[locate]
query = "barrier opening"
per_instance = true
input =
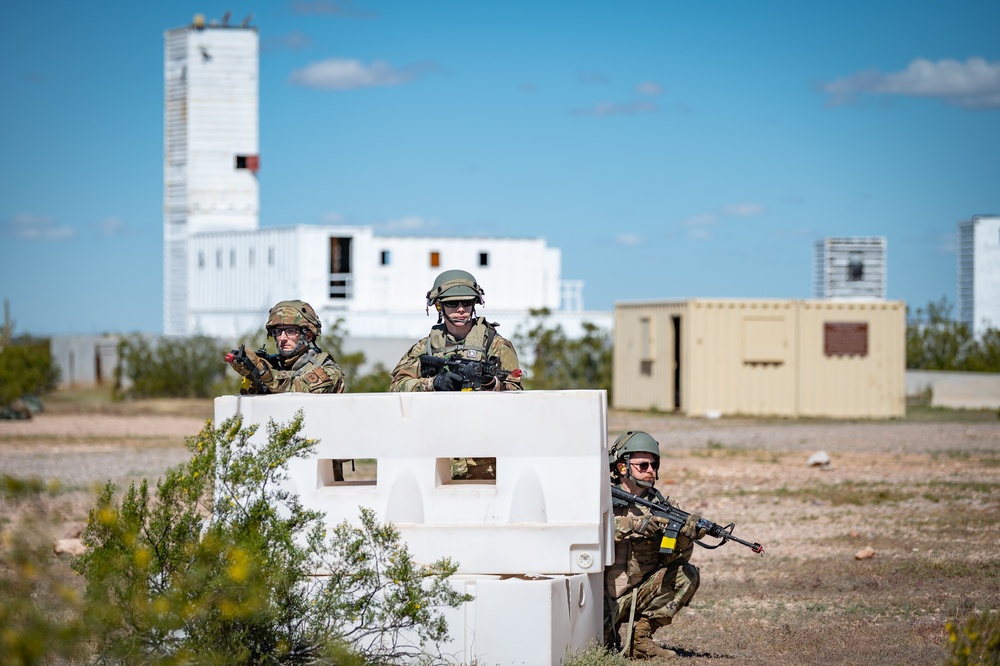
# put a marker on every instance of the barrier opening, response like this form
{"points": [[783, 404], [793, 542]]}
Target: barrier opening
{"points": [[467, 470], [346, 472]]}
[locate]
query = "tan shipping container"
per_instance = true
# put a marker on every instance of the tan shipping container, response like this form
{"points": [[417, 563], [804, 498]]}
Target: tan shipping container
{"points": [[825, 358]]}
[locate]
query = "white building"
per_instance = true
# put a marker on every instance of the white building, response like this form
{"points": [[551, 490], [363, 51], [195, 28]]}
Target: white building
{"points": [[210, 147], [850, 267], [377, 284], [222, 272], [979, 272]]}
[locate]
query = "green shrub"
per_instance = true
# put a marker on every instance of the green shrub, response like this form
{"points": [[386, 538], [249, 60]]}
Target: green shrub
{"points": [[26, 368], [187, 367], [977, 641], [563, 363], [219, 567]]}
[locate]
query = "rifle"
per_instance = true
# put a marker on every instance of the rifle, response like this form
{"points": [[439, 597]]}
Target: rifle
{"points": [[240, 355], [273, 360], [474, 373], [673, 519]]}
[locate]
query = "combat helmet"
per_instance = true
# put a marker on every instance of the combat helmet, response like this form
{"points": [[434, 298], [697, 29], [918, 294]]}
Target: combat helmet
{"points": [[634, 441], [455, 285], [293, 313]]}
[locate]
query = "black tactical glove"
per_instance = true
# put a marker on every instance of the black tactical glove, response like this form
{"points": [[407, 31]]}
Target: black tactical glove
{"points": [[448, 381]]}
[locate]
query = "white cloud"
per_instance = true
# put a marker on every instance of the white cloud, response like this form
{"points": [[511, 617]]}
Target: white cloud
{"points": [[700, 226], [26, 225], [410, 224], [293, 41], [628, 238], [615, 109], [342, 74], [649, 88], [742, 210], [972, 84], [111, 226]]}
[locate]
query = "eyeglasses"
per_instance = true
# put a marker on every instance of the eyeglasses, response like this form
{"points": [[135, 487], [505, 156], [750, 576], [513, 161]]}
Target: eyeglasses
{"points": [[289, 331], [461, 304], [644, 466]]}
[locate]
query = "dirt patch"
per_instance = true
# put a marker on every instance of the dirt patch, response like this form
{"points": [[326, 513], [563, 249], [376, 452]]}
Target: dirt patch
{"points": [[925, 496]]}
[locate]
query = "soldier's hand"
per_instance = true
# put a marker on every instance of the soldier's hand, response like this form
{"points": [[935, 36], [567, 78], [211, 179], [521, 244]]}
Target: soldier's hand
{"points": [[235, 359], [644, 524], [263, 369], [448, 381], [695, 527]]}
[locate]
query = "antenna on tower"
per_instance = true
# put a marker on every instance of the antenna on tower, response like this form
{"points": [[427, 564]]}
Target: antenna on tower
{"points": [[246, 21], [225, 18]]}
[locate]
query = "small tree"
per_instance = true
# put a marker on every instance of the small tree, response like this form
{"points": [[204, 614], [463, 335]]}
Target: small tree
{"points": [[560, 362], [187, 367], [222, 567], [26, 367], [934, 341]]}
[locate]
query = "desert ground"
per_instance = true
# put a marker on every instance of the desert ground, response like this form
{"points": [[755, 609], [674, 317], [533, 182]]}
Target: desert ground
{"points": [[922, 494]]}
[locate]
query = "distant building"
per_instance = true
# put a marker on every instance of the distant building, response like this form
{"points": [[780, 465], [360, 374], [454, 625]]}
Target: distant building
{"points": [[850, 267], [222, 271], [979, 272], [210, 147], [761, 357]]}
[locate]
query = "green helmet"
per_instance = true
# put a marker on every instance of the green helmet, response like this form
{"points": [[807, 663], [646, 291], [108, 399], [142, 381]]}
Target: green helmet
{"points": [[455, 285], [634, 442], [293, 313]]}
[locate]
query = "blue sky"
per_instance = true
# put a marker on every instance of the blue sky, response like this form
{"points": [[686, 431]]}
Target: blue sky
{"points": [[669, 149]]}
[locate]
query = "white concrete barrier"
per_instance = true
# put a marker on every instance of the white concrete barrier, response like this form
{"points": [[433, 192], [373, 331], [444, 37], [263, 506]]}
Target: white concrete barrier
{"points": [[531, 546]]}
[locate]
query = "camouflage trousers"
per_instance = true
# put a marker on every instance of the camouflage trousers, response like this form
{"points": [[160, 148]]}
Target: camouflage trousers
{"points": [[473, 468], [659, 597]]}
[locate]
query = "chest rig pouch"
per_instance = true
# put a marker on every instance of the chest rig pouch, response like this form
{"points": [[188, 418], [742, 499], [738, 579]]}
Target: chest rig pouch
{"points": [[474, 347]]}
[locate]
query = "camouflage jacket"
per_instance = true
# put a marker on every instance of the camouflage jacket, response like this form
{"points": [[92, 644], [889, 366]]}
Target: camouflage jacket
{"points": [[406, 375], [314, 371], [638, 555]]}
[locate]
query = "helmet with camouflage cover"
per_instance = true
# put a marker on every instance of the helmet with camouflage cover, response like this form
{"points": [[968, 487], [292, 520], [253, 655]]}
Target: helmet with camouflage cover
{"points": [[632, 442], [455, 285], [293, 313]]}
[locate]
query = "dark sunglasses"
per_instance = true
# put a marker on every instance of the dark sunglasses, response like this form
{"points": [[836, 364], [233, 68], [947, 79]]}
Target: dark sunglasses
{"points": [[465, 304], [644, 466]]}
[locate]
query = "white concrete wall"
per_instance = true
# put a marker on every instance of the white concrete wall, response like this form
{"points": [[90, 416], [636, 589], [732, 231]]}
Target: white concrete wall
{"points": [[956, 390]]}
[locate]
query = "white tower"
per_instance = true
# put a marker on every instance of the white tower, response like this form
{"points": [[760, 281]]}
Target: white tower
{"points": [[850, 268], [210, 146], [979, 272]]}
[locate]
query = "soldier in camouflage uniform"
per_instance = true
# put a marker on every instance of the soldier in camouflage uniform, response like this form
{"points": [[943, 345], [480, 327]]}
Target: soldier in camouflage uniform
{"points": [[458, 332], [642, 584], [300, 365]]}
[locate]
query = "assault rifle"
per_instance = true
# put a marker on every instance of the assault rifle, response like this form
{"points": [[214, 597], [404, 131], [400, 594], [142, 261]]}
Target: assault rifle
{"points": [[240, 355], [474, 373], [274, 361], [673, 519]]}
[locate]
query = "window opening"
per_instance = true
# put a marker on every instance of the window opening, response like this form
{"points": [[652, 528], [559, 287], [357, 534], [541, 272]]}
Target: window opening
{"points": [[435, 259], [341, 281], [855, 268], [484, 259], [472, 471], [347, 472], [384, 259]]}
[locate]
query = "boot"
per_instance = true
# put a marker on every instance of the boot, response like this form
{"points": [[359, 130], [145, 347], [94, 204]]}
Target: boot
{"points": [[643, 645]]}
